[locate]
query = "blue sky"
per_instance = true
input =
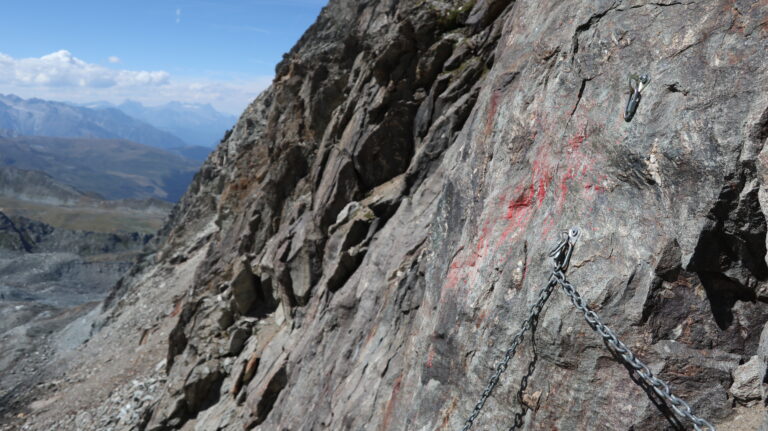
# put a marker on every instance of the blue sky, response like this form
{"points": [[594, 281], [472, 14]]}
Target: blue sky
{"points": [[218, 52]]}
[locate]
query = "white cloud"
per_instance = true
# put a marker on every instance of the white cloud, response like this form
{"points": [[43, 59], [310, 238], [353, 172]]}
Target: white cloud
{"points": [[178, 16], [63, 77], [62, 69], [113, 59]]}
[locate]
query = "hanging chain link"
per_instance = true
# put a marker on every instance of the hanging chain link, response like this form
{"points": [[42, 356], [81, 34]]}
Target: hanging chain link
{"points": [[533, 313], [561, 254], [661, 388]]}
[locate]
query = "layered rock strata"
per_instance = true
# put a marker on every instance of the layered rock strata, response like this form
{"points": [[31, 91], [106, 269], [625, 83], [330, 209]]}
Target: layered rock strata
{"points": [[366, 240]]}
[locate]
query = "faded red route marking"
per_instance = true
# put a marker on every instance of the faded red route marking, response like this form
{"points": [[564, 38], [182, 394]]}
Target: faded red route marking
{"points": [[575, 143], [529, 198], [454, 274], [430, 356], [512, 216]]}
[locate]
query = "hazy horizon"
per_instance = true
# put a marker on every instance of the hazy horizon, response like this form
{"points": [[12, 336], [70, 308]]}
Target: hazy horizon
{"points": [[200, 52]]}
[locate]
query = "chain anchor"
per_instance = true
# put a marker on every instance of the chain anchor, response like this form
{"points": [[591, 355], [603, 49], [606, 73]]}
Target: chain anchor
{"points": [[637, 84], [561, 253]]}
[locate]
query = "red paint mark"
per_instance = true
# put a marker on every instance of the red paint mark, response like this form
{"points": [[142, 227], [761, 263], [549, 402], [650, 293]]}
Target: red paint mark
{"points": [[430, 356], [542, 192], [452, 279], [512, 211], [575, 143], [472, 260], [516, 223], [485, 231], [518, 210], [579, 165], [520, 204], [595, 187]]}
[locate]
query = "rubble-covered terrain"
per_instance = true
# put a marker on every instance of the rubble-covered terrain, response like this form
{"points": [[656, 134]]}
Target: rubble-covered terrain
{"points": [[51, 279], [361, 248]]}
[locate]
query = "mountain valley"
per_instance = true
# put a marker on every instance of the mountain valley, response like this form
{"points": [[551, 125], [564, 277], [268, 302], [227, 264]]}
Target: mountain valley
{"points": [[49, 278], [190, 130], [112, 169], [199, 125]]}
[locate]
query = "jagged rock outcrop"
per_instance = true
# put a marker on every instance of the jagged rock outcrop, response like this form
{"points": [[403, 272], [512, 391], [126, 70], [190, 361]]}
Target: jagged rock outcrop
{"points": [[389, 203]]}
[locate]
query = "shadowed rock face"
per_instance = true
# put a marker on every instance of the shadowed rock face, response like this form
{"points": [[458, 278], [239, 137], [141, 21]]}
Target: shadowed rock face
{"points": [[394, 195]]}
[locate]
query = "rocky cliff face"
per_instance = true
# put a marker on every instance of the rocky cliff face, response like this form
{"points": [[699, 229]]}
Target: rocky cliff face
{"points": [[368, 238]]}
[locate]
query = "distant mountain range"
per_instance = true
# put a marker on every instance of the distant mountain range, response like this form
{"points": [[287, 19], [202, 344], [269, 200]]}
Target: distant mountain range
{"points": [[36, 117], [196, 124], [191, 130], [114, 152], [113, 169]]}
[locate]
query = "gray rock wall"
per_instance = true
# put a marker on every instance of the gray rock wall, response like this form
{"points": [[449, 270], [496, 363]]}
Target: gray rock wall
{"points": [[390, 201], [469, 135]]}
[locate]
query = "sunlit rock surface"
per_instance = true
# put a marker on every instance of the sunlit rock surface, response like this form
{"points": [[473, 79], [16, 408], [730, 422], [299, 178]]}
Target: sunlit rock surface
{"points": [[390, 201]]}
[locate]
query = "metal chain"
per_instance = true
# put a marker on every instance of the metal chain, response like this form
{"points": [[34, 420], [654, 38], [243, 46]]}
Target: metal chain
{"points": [[533, 314], [661, 388], [561, 254]]}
